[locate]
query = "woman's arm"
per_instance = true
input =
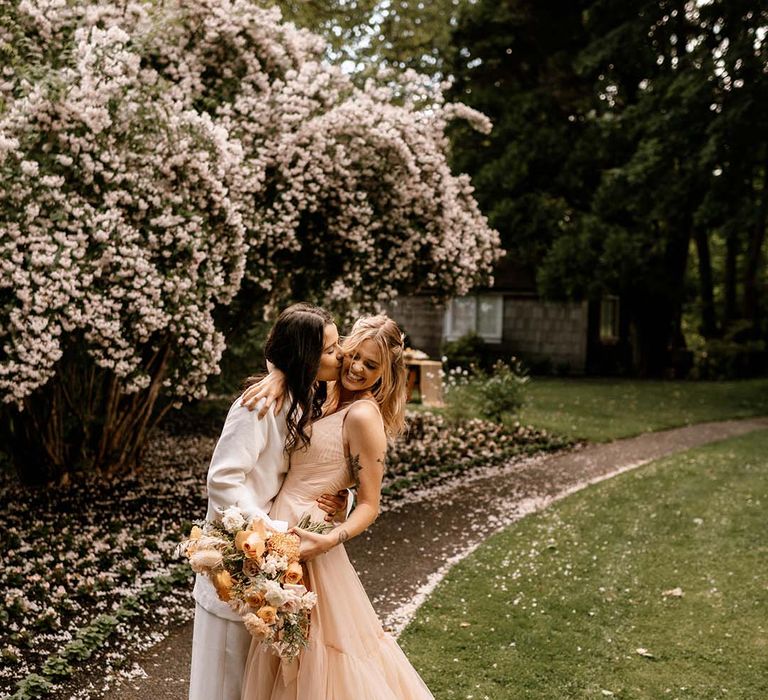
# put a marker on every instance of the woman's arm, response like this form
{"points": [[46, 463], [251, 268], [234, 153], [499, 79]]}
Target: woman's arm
{"points": [[367, 441], [271, 388]]}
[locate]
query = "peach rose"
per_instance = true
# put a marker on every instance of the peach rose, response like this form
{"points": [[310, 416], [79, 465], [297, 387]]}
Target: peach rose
{"points": [[254, 598], [222, 582], [254, 546], [240, 539], [294, 573], [268, 614], [257, 525], [195, 533]]}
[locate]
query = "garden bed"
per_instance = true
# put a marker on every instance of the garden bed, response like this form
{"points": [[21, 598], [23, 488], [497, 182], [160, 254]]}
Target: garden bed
{"points": [[89, 571]]}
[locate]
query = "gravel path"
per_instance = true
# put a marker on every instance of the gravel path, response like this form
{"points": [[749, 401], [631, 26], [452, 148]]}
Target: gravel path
{"points": [[411, 546]]}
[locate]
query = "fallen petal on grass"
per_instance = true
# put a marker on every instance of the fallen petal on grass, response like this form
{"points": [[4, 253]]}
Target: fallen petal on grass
{"points": [[642, 651], [673, 593]]}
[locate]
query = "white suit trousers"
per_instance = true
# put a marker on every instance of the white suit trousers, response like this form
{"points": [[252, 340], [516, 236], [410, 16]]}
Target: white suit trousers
{"points": [[219, 651]]}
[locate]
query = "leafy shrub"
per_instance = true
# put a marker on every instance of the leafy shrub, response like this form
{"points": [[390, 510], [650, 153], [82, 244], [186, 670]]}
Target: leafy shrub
{"points": [[729, 357], [468, 351], [475, 393], [503, 391]]}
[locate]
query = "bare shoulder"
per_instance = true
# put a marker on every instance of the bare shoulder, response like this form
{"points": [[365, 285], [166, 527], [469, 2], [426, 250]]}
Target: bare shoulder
{"points": [[361, 413], [364, 418]]}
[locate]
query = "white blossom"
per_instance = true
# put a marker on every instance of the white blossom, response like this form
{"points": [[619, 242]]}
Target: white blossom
{"points": [[173, 150], [232, 519]]}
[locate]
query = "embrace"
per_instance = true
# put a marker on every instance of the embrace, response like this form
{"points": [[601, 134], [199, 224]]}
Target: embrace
{"points": [[335, 407]]}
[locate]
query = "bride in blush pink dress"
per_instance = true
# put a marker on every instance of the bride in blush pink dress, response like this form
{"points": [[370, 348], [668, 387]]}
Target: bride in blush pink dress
{"points": [[350, 656]]}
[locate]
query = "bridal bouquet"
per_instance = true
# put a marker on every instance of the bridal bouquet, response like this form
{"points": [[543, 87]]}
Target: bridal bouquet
{"points": [[258, 573]]}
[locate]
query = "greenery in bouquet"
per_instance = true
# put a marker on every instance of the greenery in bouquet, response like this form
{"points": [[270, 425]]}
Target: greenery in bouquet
{"points": [[258, 573]]}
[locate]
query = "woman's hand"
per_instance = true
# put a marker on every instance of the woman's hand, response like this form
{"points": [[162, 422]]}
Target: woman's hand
{"points": [[271, 389], [333, 504], [312, 543]]}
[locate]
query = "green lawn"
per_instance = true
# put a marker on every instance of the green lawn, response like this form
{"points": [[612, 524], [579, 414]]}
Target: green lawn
{"points": [[605, 409], [558, 605]]}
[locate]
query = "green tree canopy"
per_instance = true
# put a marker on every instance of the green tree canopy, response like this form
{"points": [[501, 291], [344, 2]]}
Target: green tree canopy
{"points": [[625, 132]]}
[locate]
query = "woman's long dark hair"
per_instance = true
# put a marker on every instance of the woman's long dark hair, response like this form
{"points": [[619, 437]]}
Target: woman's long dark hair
{"points": [[295, 345]]}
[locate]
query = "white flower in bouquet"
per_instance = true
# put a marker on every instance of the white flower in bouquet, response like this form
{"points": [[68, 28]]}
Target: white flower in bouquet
{"points": [[275, 594], [292, 600], [232, 519], [309, 600], [295, 601], [257, 627], [274, 564]]}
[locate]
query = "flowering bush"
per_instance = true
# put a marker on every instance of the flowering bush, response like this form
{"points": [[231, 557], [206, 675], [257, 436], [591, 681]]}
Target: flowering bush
{"points": [[161, 159]]}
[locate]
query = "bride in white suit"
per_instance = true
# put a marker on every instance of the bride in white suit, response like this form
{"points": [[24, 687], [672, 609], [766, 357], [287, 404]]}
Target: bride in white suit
{"points": [[247, 469]]}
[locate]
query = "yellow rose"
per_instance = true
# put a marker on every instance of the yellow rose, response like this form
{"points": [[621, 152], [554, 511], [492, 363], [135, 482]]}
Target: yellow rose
{"points": [[294, 573], [268, 614], [254, 598], [195, 533], [222, 582], [253, 546]]}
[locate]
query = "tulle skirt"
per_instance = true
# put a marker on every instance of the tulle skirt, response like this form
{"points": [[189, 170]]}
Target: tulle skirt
{"points": [[349, 657]]}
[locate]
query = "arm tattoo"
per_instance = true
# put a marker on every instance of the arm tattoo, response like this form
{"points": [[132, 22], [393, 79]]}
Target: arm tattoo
{"points": [[343, 536], [355, 467]]}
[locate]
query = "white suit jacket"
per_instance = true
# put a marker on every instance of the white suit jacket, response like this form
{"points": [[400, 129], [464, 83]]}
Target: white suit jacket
{"points": [[247, 469]]}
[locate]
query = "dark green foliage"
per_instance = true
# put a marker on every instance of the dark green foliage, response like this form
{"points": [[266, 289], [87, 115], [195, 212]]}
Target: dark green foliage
{"points": [[502, 392], [627, 134], [369, 34], [467, 351]]}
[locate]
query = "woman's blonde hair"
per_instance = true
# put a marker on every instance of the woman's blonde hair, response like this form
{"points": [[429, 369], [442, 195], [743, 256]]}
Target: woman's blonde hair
{"points": [[390, 390]]}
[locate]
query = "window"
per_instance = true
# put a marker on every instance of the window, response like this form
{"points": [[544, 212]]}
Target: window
{"points": [[482, 314], [609, 320]]}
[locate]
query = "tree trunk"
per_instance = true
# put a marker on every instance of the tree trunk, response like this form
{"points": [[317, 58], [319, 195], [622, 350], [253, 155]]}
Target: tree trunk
{"points": [[81, 421], [657, 312], [731, 257], [708, 320], [753, 257]]}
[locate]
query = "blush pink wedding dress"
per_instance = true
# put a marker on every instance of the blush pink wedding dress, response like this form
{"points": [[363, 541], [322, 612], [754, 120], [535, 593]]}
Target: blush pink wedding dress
{"points": [[350, 656]]}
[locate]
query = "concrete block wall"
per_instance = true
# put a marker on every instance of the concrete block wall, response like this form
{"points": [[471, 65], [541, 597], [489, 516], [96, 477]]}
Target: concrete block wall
{"points": [[534, 330], [547, 331], [422, 320]]}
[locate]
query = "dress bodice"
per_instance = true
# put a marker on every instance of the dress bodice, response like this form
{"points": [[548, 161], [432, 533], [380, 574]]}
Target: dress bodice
{"points": [[321, 467]]}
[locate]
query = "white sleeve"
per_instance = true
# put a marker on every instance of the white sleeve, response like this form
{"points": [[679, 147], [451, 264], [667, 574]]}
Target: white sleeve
{"points": [[242, 440]]}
